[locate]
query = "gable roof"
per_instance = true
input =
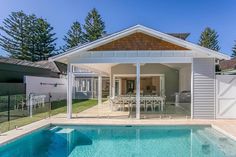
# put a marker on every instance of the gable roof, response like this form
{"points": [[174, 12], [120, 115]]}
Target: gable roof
{"points": [[139, 28]]}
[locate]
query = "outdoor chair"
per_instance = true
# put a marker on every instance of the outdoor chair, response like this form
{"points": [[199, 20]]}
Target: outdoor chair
{"points": [[149, 103], [125, 103], [157, 104], [21, 105], [142, 103], [111, 103], [119, 103], [132, 104]]}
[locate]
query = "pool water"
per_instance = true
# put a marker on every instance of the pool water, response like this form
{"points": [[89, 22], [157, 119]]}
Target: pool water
{"points": [[122, 141]]}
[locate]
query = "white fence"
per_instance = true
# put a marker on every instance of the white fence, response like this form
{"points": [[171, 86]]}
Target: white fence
{"points": [[225, 96], [56, 87]]}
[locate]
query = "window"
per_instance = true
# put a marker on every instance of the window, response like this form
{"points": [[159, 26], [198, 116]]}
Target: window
{"points": [[83, 85], [89, 85], [77, 87]]}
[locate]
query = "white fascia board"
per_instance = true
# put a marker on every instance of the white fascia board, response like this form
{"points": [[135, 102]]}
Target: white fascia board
{"points": [[125, 60]]}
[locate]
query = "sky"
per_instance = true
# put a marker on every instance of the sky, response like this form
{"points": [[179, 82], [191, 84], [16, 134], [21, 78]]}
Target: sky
{"points": [[171, 16]]}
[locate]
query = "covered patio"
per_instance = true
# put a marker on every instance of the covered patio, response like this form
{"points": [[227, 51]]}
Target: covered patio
{"points": [[151, 74], [159, 86]]}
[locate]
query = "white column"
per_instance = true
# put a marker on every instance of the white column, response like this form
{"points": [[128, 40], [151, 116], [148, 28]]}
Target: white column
{"points": [[138, 91], [99, 90], [69, 91], [110, 89], [192, 90], [113, 86], [92, 88]]}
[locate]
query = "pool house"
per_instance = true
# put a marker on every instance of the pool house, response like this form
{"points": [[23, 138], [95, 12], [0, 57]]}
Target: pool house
{"points": [[144, 73]]}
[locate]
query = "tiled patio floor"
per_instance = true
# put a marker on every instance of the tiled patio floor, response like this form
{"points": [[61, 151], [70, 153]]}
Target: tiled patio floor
{"points": [[104, 111]]}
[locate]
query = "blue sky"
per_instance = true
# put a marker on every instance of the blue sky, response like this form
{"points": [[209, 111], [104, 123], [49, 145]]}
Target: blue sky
{"points": [[163, 15]]}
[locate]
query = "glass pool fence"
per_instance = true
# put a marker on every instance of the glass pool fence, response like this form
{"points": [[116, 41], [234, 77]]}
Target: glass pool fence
{"points": [[21, 109]]}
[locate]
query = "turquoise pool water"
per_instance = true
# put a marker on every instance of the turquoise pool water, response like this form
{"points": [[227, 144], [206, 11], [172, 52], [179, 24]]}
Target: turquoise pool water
{"points": [[122, 141]]}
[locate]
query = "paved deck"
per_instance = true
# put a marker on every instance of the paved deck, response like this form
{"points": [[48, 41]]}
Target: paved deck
{"points": [[227, 127], [104, 111]]}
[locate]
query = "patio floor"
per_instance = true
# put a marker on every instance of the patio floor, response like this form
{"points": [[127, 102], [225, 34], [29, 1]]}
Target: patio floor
{"points": [[103, 111]]}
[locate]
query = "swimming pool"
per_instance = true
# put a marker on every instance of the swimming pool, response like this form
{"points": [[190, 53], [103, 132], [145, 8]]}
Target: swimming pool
{"points": [[122, 141]]}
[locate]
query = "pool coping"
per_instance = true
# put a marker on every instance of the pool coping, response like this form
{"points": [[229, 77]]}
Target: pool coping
{"points": [[219, 125], [15, 134], [223, 132]]}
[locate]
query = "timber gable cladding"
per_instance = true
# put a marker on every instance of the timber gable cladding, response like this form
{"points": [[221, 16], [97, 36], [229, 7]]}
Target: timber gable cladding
{"points": [[138, 41]]}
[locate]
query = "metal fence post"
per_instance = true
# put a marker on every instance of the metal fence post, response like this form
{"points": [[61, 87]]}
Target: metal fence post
{"points": [[8, 107], [31, 105], [50, 105], [8, 110]]}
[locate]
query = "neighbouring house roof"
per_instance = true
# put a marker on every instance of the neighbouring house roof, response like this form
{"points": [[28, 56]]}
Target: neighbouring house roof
{"points": [[13, 70], [18, 62], [151, 32], [48, 65], [180, 35], [228, 65], [41, 64], [54, 66]]}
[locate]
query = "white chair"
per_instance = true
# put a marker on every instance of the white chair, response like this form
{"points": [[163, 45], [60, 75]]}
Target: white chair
{"points": [[142, 103], [149, 103], [132, 104], [126, 103], [111, 103], [157, 104], [119, 103]]}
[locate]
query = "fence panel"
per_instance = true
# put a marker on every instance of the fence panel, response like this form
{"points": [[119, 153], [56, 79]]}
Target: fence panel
{"points": [[225, 96]]}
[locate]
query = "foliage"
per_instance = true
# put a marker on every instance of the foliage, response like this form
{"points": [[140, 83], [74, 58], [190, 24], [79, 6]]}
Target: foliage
{"points": [[234, 50], [94, 26], [27, 37], [74, 36], [209, 39]]}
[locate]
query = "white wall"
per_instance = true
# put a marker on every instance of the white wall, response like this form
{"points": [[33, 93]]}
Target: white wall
{"points": [[46, 85], [203, 100], [185, 78]]}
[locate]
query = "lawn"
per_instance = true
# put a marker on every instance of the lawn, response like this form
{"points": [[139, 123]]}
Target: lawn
{"points": [[57, 107]]}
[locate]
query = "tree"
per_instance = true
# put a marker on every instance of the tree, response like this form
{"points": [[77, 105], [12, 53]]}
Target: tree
{"points": [[45, 46], [15, 39], [209, 39], [27, 37], [74, 36], [234, 50], [94, 26]]}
